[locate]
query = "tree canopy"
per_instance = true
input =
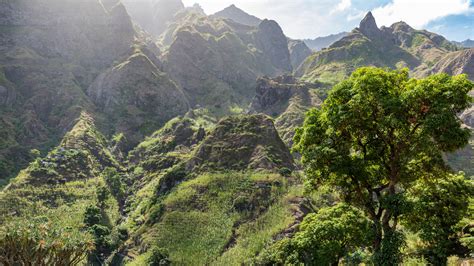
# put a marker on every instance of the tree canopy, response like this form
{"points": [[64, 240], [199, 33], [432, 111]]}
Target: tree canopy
{"points": [[377, 133]]}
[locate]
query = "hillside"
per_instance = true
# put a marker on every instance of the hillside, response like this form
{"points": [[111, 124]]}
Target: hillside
{"points": [[396, 46], [49, 56], [149, 133]]}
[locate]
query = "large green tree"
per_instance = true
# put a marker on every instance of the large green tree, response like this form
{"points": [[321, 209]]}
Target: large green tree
{"points": [[377, 133], [324, 238], [438, 203]]}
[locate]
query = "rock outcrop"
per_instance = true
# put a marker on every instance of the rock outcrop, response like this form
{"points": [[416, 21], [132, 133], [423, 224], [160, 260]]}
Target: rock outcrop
{"points": [[299, 51], [274, 44], [242, 142], [287, 100]]}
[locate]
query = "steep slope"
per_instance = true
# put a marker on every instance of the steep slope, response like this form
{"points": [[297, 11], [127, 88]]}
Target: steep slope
{"points": [[320, 43], [136, 96], [286, 100], [396, 46], [64, 182], [461, 62], [49, 54], [202, 209], [217, 61], [299, 51], [242, 142], [238, 15]]}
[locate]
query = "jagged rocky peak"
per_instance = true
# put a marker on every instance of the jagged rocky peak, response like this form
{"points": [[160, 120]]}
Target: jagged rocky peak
{"points": [[273, 42], [369, 27], [238, 15]]}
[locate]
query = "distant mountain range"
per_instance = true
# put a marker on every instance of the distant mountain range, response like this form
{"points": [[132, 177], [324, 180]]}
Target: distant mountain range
{"points": [[466, 43], [320, 43]]}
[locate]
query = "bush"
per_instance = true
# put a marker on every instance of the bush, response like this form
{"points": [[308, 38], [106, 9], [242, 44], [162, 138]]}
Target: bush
{"points": [[158, 256], [43, 243], [284, 171]]}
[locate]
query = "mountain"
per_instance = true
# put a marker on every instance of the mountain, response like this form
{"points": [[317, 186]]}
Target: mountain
{"points": [[217, 61], [466, 43], [238, 15], [396, 46], [461, 62], [49, 55], [299, 51], [136, 96], [160, 135], [286, 100], [320, 43]]}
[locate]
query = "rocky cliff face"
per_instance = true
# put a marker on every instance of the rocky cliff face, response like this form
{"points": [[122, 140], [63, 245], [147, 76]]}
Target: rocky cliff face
{"points": [[50, 52], [285, 99], [90, 31], [299, 51], [217, 61], [136, 96], [273, 43]]}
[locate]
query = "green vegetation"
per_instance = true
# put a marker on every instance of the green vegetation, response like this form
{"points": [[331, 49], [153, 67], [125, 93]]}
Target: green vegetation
{"points": [[324, 237], [42, 241], [377, 133], [222, 217]]}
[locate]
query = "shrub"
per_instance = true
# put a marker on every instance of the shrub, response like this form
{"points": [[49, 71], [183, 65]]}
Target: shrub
{"points": [[37, 242]]}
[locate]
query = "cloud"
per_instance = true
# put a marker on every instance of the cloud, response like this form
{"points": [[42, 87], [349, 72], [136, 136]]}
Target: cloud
{"points": [[418, 13], [343, 5]]}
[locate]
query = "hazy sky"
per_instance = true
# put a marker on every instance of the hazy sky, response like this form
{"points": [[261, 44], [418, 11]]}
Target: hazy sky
{"points": [[311, 18]]}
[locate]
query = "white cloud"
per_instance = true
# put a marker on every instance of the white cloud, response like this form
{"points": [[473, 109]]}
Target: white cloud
{"points": [[342, 6], [418, 13]]}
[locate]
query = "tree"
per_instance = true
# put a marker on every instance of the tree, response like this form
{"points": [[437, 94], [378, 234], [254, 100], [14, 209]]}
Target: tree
{"points": [[377, 133], [438, 204], [324, 238], [41, 241]]}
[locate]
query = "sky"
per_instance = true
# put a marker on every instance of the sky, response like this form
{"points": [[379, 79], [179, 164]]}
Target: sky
{"points": [[301, 19]]}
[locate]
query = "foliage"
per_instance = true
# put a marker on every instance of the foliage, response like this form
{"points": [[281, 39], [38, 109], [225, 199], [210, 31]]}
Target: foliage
{"points": [[115, 183], [159, 257], [376, 133], [94, 221], [40, 241], [324, 238], [438, 205], [198, 222]]}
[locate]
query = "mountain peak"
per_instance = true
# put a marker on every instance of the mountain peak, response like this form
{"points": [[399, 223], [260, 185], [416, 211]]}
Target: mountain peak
{"points": [[238, 15], [368, 26]]}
